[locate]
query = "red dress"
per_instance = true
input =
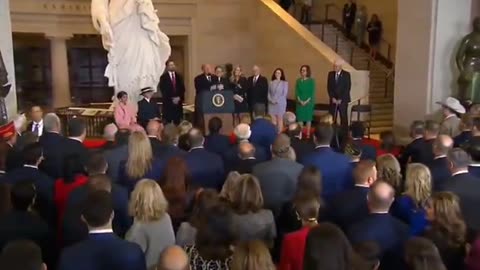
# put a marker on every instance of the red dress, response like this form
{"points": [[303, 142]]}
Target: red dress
{"points": [[62, 190], [293, 250]]}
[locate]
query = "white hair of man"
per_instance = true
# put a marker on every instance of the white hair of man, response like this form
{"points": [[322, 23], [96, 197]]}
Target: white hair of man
{"points": [[51, 122], [339, 62], [242, 132], [289, 118], [19, 121], [110, 131]]}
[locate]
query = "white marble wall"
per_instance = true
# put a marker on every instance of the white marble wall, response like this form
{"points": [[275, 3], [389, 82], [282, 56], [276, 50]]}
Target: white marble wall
{"points": [[7, 53]]}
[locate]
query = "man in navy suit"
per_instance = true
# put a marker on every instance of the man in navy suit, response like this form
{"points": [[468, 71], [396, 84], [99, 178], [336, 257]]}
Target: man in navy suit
{"points": [[474, 151], [257, 89], [173, 94], [77, 132], [301, 147], [102, 249], [153, 132], [338, 86], [216, 142], [242, 133], [439, 167], [203, 82], [246, 161], [263, 131], [53, 145], [350, 206], [117, 154], [33, 156], [147, 108], [357, 132], [415, 147], [335, 167], [465, 186], [169, 148], [380, 227], [206, 168]]}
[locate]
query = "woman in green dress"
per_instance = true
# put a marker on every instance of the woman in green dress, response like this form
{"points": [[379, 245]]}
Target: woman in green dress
{"points": [[304, 92]]}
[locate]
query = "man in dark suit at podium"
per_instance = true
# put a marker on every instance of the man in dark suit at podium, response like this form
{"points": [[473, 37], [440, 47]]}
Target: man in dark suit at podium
{"points": [[338, 86], [173, 94], [257, 89], [203, 82], [147, 108]]}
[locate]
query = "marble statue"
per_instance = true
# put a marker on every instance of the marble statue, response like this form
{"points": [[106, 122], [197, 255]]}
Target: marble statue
{"points": [[137, 49], [4, 90], [468, 62]]}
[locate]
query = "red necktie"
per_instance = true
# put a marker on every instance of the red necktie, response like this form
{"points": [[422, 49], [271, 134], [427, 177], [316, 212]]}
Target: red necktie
{"points": [[174, 83]]}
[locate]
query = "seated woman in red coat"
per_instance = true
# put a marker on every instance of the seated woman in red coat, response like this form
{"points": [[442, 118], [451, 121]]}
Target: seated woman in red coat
{"points": [[73, 176], [293, 247]]}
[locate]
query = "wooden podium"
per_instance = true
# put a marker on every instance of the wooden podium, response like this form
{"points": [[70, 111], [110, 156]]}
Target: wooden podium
{"points": [[218, 103]]}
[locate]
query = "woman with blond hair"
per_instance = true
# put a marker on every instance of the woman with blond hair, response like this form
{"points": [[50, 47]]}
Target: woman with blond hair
{"points": [[140, 162], [448, 230], [388, 170], [183, 128], [251, 221], [252, 255], [409, 207], [229, 186], [152, 227]]}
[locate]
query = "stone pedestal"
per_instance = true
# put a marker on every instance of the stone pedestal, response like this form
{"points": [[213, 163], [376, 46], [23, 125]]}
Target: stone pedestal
{"points": [[60, 76]]}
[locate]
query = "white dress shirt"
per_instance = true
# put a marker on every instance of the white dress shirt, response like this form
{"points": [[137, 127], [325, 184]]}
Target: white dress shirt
{"points": [[40, 127]]}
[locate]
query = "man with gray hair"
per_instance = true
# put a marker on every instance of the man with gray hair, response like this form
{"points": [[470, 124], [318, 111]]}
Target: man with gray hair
{"points": [[109, 132], [173, 258], [246, 158], [242, 132], [465, 186], [302, 147], [338, 86], [257, 89], [53, 145], [439, 167], [289, 118], [278, 177]]}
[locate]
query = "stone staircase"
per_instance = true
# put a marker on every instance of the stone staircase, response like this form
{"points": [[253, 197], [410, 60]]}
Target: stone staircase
{"points": [[381, 85]]}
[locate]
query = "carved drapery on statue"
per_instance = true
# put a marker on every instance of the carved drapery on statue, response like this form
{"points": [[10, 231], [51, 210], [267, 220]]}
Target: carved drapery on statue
{"points": [[4, 89], [468, 62], [137, 49]]}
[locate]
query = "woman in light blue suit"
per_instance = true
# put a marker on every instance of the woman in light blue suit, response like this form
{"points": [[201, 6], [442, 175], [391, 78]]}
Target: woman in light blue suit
{"points": [[277, 97]]}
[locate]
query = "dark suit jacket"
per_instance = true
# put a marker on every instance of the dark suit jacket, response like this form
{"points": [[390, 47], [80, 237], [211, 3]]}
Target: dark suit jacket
{"points": [[155, 143], [348, 207], [74, 230], [440, 172], [103, 251], [467, 188], [14, 159], [335, 168], [114, 157], [474, 170], [368, 152], [74, 147], [389, 233], [53, 145], [412, 152], [340, 88], [230, 157], [108, 145], [44, 186], [244, 165], [172, 112], [167, 151], [147, 110], [462, 138], [202, 83], [206, 168], [217, 143], [278, 180], [17, 225], [258, 92], [302, 147], [264, 133]]}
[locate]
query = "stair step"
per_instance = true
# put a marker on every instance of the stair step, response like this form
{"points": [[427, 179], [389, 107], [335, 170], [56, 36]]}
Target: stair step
{"points": [[382, 123], [378, 130], [382, 117]]}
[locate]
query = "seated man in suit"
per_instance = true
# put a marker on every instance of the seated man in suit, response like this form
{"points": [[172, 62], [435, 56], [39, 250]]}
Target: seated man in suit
{"points": [[263, 130], [474, 151], [350, 206], [439, 167], [380, 227], [465, 186], [173, 258], [357, 133], [206, 168], [154, 129], [36, 126], [52, 143], [413, 149], [301, 147], [22, 254], [216, 142], [22, 223], [109, 132], [335, 167], [246, 154], [77, 131], [242, 133], [33, 156], [103, 249], [278, 177], [147, 108], [117, 154]]}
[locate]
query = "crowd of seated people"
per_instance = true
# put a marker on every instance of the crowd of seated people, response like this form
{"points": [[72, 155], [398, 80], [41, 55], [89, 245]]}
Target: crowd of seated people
{"points": [[173, 198]]}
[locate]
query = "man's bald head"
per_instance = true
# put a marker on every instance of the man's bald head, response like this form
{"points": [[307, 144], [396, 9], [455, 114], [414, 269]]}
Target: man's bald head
{"points": [[246, 150], [380, 197], [109, 132], [442, 144], [242, 132], [173, 258], [289, 118], [153, 128], [195, 137]]}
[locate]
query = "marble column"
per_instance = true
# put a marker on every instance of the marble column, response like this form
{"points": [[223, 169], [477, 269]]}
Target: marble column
{"points": [[428, 34], [6, 49], [60, 76]]}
